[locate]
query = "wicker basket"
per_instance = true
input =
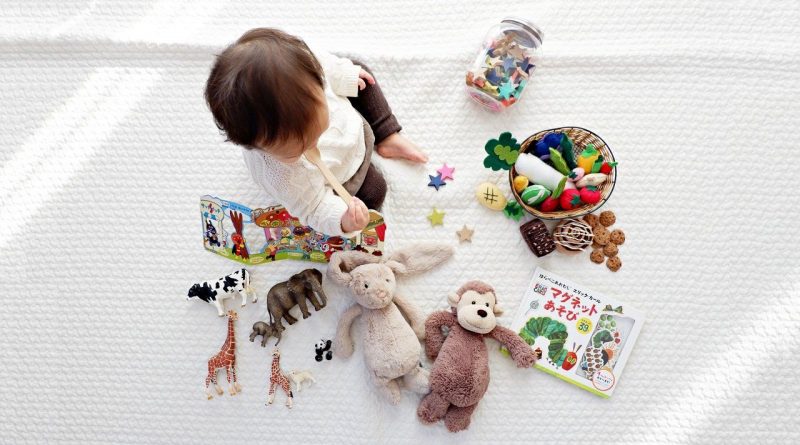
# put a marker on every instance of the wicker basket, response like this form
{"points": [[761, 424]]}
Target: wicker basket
{"points": [[580, 138]]}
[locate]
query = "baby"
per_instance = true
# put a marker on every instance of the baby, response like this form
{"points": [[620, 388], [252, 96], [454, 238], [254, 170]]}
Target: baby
{"points": [[276, 98]]}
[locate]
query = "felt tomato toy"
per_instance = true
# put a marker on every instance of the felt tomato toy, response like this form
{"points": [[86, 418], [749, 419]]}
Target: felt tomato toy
{"points": [[607, 167], [590, 195], [550, 204], [570, 199]]}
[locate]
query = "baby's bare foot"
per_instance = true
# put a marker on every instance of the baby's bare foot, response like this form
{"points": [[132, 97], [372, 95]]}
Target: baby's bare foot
{"points": [[398, 147]]}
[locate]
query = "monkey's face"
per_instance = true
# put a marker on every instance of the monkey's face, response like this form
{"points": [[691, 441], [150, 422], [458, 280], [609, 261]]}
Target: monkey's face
{"points": [[476, 311]]}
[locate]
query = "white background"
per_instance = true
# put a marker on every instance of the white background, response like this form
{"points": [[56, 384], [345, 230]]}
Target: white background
{"points": [[106, 146]]}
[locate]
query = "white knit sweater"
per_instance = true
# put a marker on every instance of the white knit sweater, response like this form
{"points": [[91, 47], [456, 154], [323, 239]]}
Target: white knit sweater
{"points": [[299, 186]]}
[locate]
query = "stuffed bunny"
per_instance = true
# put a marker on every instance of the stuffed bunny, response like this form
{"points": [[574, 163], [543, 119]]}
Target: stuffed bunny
{"points": [[391, 324]]}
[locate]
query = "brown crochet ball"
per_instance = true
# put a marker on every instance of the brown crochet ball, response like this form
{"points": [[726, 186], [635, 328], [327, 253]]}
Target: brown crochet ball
{"points": [[610, 249], [591, 219], [608, 218], [618, 237], [601, 236], [597, 256], [614, 263]]}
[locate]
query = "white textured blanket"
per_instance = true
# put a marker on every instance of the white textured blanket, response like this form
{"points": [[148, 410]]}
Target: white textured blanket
{"points": [[106, 146]]}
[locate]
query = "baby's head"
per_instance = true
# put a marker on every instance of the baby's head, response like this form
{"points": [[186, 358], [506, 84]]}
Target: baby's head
{"points": [[266, 91]]}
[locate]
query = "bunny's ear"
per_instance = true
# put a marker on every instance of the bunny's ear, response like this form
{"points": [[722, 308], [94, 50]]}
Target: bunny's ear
{"points": [[342, 263], [418, 258]]}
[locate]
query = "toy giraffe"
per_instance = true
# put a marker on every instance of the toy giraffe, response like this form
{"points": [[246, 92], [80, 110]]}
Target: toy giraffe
{"points": [[277, 377], [225, 358]]}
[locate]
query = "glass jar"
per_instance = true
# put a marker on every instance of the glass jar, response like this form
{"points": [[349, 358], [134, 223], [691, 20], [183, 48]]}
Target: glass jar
{"points": [[507, 59]]}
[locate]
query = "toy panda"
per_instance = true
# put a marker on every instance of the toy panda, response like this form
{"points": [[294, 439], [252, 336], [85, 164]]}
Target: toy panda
{"points": [[323, 349]]}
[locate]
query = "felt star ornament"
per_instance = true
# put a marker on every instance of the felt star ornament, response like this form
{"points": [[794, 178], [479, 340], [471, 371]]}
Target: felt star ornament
{"points": [[446, 172], [465, 234], [506, 89], [436, 181], [436, 217]]}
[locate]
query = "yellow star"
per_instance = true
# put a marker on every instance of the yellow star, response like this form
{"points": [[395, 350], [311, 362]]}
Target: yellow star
{"points": [[465, 234], [437, 217]]}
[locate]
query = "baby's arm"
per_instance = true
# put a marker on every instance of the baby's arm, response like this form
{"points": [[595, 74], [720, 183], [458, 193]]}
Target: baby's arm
{"points": [[342, 74]]}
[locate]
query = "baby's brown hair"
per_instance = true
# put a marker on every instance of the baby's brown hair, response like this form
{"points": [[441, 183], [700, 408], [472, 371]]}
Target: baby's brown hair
{"points": [[260, 88]]}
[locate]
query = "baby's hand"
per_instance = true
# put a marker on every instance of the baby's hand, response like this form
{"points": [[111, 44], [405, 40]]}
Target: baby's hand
{"points": [[356, 217], [364, 78]]}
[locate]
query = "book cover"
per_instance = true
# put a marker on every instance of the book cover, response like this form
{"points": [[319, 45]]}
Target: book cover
{"points": [[264, 235], [583, 337]]}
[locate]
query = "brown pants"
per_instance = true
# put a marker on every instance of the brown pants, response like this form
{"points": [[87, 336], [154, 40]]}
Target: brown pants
{"points": [[377, 114]]}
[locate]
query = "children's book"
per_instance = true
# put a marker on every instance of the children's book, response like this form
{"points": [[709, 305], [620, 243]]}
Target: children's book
{"points": [[264, 235], [583, 337]]}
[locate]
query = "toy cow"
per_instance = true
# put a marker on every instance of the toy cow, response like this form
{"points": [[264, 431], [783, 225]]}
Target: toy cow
{"points": [[215, 292]]}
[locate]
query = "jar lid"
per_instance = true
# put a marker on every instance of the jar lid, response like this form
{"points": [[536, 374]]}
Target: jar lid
{"points": [[527, 25]]}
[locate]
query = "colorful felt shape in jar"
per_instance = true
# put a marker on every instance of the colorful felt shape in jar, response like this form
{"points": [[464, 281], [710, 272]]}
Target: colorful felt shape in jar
{"points": [[593, 179], [558, 162], [535, 194], [587, 158], [541, 173], [590, 195], [520, 183], [576, 174], [570, 199], [550, 204], [567, 151], [490, 196]]}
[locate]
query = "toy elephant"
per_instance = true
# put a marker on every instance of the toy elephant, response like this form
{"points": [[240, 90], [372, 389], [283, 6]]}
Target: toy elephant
{"points": [[302, 286], [391, 346], [265, 330]]}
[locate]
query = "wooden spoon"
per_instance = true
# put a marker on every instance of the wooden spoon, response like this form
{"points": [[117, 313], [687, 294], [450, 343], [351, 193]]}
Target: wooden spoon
{"points": [[313, 155]]}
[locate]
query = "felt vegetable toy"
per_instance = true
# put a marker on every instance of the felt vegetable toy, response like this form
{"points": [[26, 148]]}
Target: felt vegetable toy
{"points": [[590, 195], [535, 194], [553, 139], [587, 158], [594, 179], [520, 183], [501, 152], [541, 150], [513, 210], [567, 152], [460, 374], [570, 199], [391, 324], [549, 204], [558, 162], [540, 173], [597, 164], [576, 174], [607, 167]]}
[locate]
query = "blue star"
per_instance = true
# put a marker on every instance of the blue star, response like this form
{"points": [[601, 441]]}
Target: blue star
{"points": [[493, 77], [436, 181], [509, 63]]}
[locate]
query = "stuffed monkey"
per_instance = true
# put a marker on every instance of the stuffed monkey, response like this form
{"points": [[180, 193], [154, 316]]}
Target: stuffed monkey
{"points": [[460, 372]]}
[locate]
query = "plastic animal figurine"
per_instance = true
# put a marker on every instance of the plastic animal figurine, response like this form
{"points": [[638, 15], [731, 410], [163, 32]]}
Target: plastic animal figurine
{"points": [[216, 292], [302, 286], [277, 378], [323, 350], [391, 345], [298, 377], [225, 359], [460, 374], [265, 330]]}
